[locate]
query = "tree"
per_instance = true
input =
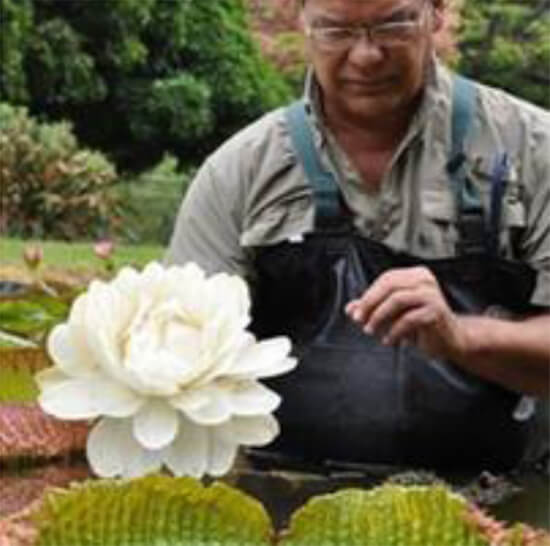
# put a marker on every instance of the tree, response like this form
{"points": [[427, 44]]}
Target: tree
{"points": [[138, 77], [506, 44]]}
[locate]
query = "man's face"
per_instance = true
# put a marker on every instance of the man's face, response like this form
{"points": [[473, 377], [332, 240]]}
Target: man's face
{"points": [[370, 79]]}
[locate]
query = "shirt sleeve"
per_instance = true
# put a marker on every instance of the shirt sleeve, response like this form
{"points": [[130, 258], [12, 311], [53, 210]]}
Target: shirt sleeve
{"points": [[207, 227], [536, 240]]}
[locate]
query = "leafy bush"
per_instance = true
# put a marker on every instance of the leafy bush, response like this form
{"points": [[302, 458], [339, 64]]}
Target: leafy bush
{"points": [[506, 44], [151, 201], [51, 188], [138, 77]]}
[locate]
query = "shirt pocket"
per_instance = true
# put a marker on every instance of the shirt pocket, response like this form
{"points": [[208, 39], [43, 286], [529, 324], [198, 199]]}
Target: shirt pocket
{"points": [[438, 235], [278, 223]]}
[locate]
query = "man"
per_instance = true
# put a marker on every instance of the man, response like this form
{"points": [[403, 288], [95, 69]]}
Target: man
{"points": [[417, 370]]}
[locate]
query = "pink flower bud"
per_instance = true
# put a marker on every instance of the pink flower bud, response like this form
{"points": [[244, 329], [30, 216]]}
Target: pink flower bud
{"points": [[33, 256], [104, 248]]}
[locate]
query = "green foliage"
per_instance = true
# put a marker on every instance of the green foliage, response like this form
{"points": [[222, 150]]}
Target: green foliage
{"points": [[396, 515], [17, 385], [506, 44], [50, 186], [289, 50], [34, 315], [138, 77], [152, 511], [151, 201], [78, 257], [159, 510], [16, 21], [59, 69]]}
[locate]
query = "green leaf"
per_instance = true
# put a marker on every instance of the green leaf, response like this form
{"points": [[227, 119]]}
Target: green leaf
{"points": [[152, 511], [390, 515], [17, 385], [17, 369], [33, 315]]}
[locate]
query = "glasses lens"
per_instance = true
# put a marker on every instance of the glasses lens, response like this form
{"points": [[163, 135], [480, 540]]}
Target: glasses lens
{"points": [[333, 38], [394, 33]]}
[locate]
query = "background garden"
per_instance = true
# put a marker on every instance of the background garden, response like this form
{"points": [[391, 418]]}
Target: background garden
{"points": [[108, 106]]}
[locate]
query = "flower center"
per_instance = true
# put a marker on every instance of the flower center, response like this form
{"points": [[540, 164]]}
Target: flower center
{"points": [[161, 348]]}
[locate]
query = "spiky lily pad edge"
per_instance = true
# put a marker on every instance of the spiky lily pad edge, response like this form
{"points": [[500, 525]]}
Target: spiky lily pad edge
{"points": [[179, 511], [412, 515]]}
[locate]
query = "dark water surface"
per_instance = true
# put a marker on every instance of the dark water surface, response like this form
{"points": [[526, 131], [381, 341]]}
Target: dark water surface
{"points": [[532, 505]]}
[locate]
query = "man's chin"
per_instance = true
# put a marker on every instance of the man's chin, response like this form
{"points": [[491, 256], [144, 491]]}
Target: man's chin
{"points": [[377, 107]]}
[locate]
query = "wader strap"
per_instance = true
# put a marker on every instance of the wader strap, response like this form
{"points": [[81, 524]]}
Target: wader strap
{"points": [[470, 215], [328, 209], [475, 234]]}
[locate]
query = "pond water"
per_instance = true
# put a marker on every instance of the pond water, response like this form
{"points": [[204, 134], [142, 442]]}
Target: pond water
{"points": [[531, 505]]}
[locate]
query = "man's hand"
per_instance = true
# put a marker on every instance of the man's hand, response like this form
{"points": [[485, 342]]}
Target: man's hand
{"points": [[408, 305]]}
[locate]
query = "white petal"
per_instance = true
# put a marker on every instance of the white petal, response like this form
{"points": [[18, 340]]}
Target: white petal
{"points": [[183, 342], [277, 368], [152, 271], [269, 355], [126, 281], [156, 424], [216, 411], [72, 357], [229, 295], [76, 399], [113, 451], [222, 453], [143, 462], [224, 353], [50, 377], [187, 287], [252, 398], [251, 431], [106, 447], [101, 329], [188, 454], [192, 399]]}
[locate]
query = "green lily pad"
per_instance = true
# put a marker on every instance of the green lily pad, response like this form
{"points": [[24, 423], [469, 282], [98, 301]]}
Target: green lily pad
{"points": [[34, 315], [18, 366], [17, 385], [152, 511], [390, 515]]}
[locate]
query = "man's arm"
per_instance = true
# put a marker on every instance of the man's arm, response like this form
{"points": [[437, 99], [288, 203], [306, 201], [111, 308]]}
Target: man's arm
{"points": [[408, 305], [207, 227], [515, 354]]}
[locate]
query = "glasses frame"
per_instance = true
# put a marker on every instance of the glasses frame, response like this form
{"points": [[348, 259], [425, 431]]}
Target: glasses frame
{"points": [[356, 32]]}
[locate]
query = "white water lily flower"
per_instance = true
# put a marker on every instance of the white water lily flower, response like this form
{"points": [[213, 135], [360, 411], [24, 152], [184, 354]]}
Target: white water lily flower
{"points": [[164, 359]]}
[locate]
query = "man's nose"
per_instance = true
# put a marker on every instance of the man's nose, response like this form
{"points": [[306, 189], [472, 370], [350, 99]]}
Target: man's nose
{"points": [[364, 50]]}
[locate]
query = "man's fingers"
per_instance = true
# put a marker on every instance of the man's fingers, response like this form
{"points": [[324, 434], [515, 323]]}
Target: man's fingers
{"points": [[396, 304], [389, 282], [409, 325]]}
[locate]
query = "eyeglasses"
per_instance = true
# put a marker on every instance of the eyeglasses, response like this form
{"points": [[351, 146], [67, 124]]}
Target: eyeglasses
{"points": [[390, 34]]}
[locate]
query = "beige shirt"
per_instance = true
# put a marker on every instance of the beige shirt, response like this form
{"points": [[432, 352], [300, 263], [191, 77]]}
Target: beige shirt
{"points": [[253, 191]]}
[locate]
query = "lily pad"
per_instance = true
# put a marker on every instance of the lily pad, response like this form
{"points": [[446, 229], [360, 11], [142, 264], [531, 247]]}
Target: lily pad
{"points": [[390, 515], [17, 369], [152, 511]]}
